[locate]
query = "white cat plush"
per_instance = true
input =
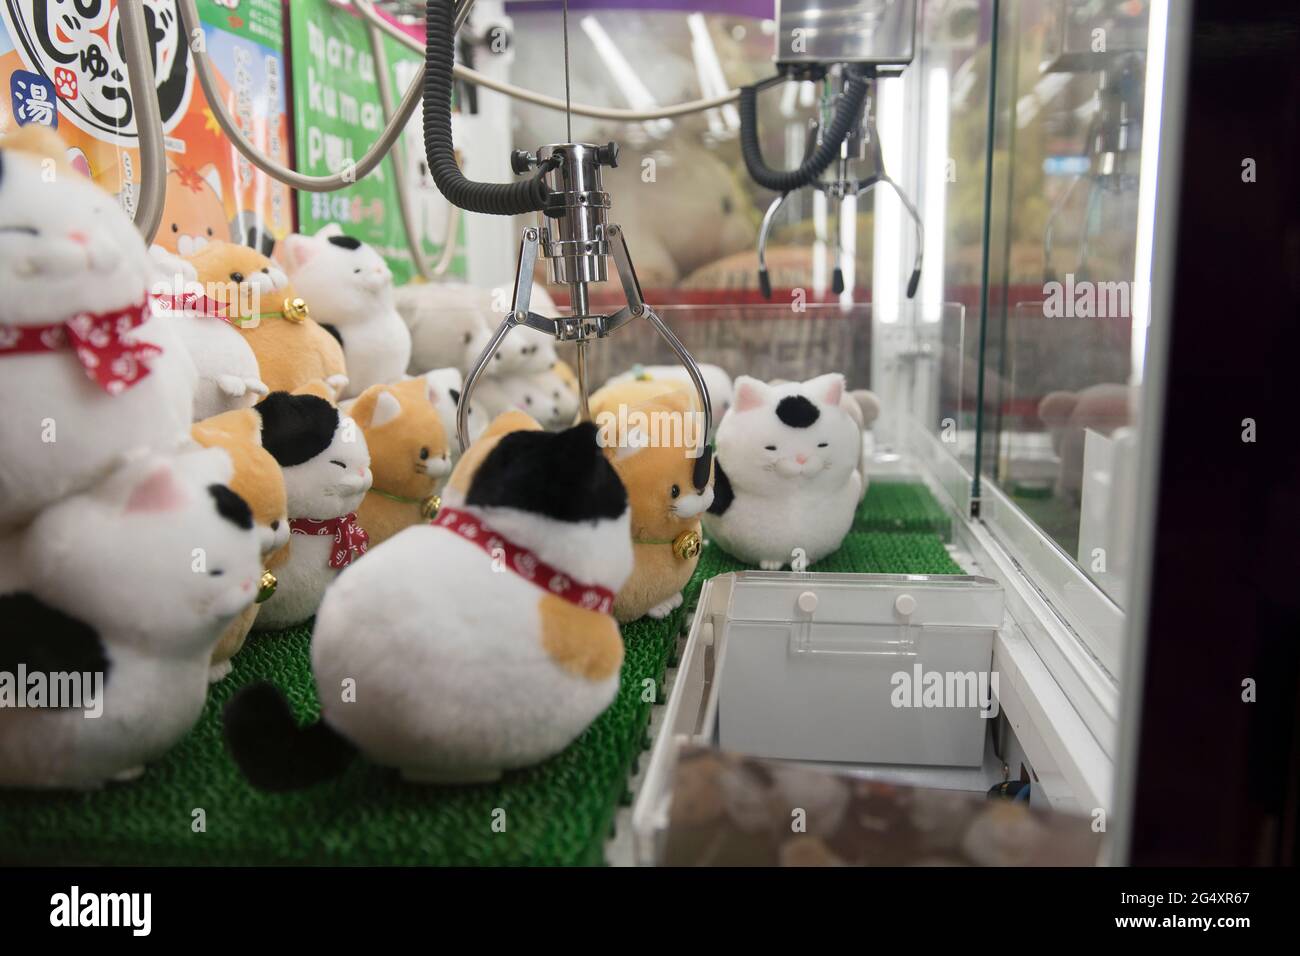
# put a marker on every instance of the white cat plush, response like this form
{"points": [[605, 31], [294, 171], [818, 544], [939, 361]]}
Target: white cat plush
{"points": [[350, 290], [87, 374], [786, 479], [127, 587], [446, 385], [227, 373], [543, 395], [479, 643], [326, 467]]}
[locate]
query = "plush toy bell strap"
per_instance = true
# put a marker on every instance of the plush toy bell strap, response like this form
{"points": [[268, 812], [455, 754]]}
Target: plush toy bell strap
{"points": [[428, 505], [100, 341], [350, 539], [525, 563]]}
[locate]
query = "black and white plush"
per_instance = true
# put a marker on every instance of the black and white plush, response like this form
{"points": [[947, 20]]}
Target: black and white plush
{"points": [[464, 663], [132, 581], [326, 466], [350, 290], [787, 479]]}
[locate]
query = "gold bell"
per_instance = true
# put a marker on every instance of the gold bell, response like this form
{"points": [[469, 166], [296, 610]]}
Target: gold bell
{"points": [[295, 309], [266, 587], [429, 507], [687, 545]]}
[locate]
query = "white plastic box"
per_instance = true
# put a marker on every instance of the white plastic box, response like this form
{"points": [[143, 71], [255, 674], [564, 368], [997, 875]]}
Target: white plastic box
{"points": [[860, 668]]}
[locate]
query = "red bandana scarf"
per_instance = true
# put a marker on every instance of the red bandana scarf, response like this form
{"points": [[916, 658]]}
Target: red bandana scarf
{"points": [[193, 303], [102, 343], [521, 561], [350, 539]]}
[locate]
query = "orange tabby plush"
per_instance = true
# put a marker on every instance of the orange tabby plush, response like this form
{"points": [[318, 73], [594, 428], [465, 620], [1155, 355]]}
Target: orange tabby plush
{"points": [[291, 348], [409, 455], [666, 507], [259, 481]]}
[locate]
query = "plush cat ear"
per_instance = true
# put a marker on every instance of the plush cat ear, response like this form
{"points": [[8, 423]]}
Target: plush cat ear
{"points": [[298, 249], [158, 491], [826, 389], [387, 408], [331, 229], [750, 393]]}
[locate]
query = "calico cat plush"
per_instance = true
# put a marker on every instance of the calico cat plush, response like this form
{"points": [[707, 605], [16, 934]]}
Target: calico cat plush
{"points": [[87, 373], [666, 505], [350, 289], [786, 479], [258, 480], [133, 581], [480, 643], [255, 295], [326, 466], [409, 455]]}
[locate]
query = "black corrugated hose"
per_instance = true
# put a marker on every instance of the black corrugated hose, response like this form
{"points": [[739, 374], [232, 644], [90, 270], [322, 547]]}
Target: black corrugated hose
{"points": [[784, 181], [494, 199]]}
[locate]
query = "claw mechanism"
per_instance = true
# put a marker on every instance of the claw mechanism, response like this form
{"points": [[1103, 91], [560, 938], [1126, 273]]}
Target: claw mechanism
{"points": [[575, 236]]}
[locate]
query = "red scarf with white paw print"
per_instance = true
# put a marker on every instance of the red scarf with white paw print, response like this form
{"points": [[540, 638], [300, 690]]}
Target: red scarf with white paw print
{"points": [[102, 342], [350, 539], [525, 563]]}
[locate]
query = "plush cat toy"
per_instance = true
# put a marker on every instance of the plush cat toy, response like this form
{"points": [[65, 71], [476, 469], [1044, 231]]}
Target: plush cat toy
{"points": [[132, 581], [666, 503], [716, 380], [87, 373], [786, 480], [350, 289], [326, 466], [258, 480], [451, 323], [227, 372], [409, 455], [255, 295], [480, 643]]}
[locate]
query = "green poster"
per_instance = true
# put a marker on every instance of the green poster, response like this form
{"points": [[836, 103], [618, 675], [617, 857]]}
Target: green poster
{"points": [[337, 115]]}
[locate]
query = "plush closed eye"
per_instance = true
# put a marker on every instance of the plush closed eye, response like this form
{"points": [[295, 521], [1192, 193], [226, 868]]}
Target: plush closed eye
{"points": [[424, 454], [236, 277], [823, 444], [675, 491], [770, 447], [216, 573], [356, 271], [341, 464], [24, 230]]}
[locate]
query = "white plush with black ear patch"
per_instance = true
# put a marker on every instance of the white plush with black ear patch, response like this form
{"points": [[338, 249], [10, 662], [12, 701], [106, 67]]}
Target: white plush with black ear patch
{"points": [[786, 479], [227, 373], [136, 580], [326, 467], [349, 287], [66, 248]]}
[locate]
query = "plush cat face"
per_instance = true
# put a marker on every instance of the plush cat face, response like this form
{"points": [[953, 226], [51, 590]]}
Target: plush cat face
{"points": [[257, 477], [779, 438], [660, 479], [543, 395], [525, 351], [162, 551], [345, 279], [322, 453], [408, 446], [240, 278], [66, 246]]}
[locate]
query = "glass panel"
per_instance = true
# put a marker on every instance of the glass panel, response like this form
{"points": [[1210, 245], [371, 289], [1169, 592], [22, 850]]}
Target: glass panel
{"points": [[1062, 362]]}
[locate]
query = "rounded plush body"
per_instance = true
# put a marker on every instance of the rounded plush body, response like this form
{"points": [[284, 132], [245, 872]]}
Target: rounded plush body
{"points": [[291, 350], [67, 251], [350, 289], [258, 480], [409, 455], [464, 668], [133, 581], [786, 480], [326, 466], [666, 506]]}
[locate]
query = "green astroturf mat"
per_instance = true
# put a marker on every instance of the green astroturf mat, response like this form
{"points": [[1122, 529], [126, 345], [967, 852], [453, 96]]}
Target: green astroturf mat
{"points": [[557, 813]]}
